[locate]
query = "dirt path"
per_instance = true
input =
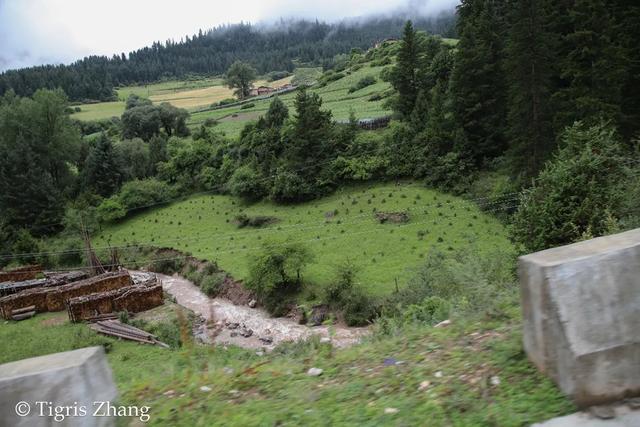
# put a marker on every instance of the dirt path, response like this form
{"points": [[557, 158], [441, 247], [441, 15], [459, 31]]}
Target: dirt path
{"points": [[235, 320]]}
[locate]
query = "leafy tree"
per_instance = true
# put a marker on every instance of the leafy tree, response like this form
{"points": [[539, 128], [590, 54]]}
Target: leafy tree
{"points": [[139, 194], [247, 183], [275, 273], [141, 121], [134, 100], [134, 159], [577, 194], [157, 152], [110, 210], [173, 119], [240, 77], [38, 146]]}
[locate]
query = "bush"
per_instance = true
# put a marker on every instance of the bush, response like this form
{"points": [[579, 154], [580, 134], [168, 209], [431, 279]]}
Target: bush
{"points": [[431, 310], [578, 194], [247, 106], [243, 220], [343, 294], [246, 183], [362, 83], [110, 210], [227, 101], [140, 193], [275, 274], [460, 284], [210, 284]]}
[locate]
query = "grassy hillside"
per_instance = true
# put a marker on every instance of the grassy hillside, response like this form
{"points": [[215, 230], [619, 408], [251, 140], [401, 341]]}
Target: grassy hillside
{"points": [[335, 228], [198, 95], [335, 97], [464, 375]]}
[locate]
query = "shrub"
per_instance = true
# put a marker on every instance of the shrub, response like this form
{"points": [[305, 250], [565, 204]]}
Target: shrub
{"points": [[247, 183], [243, 220], [247, 106], [578, 194], [275, 274], [362, 83], [140, 193], [210, 284], [110, 210]]}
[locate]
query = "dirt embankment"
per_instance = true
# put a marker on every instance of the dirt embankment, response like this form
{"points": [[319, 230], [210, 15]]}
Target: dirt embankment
{"points": [[241, 325]]}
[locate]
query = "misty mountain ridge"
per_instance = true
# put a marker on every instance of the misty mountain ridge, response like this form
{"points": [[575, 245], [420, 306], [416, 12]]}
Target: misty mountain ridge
{"points": [[276, 46]]}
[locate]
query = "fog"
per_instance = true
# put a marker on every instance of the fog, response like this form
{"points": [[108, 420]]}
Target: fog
{"points": [[36, 32]]}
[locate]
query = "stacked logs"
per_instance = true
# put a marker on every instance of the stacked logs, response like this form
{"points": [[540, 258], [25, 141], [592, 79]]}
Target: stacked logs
{"points": [[50, 280], [28, 272], [133, 299], [53, 298]]}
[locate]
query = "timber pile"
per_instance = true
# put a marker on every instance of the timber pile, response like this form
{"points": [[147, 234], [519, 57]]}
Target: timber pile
{"points": [[36, 297], [23, 313], [132, 299], [120, 330], [53, 298], [50, 280], [28, 272], [102, 283]]}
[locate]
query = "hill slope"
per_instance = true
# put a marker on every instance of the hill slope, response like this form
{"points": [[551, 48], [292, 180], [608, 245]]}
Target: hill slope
{"points": [[336, 228]]}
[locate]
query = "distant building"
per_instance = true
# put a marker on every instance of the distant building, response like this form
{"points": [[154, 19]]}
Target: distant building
{"points": [[264, 90]]}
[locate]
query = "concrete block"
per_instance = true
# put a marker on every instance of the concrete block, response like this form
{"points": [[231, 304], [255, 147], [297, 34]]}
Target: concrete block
{"points": [[74, 379], [581, 314]]}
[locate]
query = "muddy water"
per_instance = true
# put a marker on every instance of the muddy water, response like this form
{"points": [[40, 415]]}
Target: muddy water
{"points": [[224, 315]]}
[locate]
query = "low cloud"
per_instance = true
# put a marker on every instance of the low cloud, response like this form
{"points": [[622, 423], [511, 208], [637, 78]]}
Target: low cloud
{"points": [[34, 32]]}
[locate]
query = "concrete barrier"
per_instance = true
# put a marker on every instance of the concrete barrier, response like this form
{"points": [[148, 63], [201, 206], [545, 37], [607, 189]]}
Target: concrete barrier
{"points": [[581, 313], [31, 390]]}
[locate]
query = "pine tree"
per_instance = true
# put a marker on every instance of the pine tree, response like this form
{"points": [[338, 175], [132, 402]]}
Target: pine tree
{"points": [[479, 91], [101, 174], [528, 67], [404, 76], [593, 68]]}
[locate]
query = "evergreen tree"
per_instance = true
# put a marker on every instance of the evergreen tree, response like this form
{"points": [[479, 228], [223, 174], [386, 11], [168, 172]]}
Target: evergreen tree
{"points": [[593, 69], [528, 68], [404, 76], [101, 174], [479, 92]]}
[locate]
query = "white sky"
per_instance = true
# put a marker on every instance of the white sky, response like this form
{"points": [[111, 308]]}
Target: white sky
{"points": [[52, 31]]}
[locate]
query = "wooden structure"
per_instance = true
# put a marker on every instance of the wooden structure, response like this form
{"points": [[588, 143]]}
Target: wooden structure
{"points": [[28, 272], [53, 298], [132, 299]]}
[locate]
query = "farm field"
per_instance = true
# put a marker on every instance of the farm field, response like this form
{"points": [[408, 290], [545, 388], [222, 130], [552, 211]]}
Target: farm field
{"points": [[188, 94], [335, 97], [337, 228], [197, 95]]}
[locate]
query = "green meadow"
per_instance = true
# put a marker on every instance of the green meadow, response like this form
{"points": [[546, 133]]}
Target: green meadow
{"points": [[338, 228]]}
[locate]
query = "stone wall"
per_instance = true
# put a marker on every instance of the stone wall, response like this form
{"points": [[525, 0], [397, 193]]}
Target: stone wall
{"points": [[581, 313]]}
